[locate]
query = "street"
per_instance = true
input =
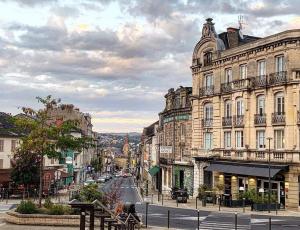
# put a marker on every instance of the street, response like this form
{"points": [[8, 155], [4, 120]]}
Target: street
{"points": [[180, 218]]}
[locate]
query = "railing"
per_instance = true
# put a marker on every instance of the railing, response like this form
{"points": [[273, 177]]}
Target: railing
{"points": [[207, 122], [226, 121], [260, 119], [206, 91], [278, 77], [260, 155], [235, 85], [259, 81], [226, 153], [203, 153], [278, 118], [239, 154], [238, 121]]}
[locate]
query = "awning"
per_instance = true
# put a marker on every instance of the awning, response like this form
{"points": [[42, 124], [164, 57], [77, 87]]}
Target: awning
{"points": [[153, 170], [260, 170]]}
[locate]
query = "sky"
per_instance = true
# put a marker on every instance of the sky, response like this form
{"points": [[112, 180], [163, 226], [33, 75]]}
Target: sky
{"points": [[116, 59]]}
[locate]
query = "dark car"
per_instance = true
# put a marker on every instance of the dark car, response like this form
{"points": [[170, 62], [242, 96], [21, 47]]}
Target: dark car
{"points": [[182, 195]]}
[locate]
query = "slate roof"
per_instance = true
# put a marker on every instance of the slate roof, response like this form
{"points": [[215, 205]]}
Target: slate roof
{"points": [[7, 127]]}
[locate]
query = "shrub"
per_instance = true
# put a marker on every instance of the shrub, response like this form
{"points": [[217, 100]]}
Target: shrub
{"points": [[27, 207], [58, 209], [48, 203], [90, 193]]}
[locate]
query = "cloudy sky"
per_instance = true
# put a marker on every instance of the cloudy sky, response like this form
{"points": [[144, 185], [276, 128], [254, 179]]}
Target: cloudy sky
{"points": [[115, 58]]}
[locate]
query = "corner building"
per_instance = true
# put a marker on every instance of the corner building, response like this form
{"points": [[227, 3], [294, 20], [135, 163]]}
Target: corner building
{"points": [[245, 91]]}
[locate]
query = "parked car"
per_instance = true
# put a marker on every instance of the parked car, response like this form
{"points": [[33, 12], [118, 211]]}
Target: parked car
{"points": [[101, 179], [89, 181], [182, 195]]}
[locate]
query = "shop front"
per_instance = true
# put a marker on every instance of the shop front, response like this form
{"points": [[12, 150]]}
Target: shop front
{"points": [[240, 178], [183, 177]]}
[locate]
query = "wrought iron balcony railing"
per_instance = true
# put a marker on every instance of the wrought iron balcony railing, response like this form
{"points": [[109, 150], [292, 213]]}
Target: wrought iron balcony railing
{"points": [[278, 118], [235, 85], [238, 121], [206, 91], [207, 122], [278, 78], [227, 121], [260, 119], [259, 81]]}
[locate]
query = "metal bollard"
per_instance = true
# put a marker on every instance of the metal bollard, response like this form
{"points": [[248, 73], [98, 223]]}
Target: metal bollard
{"points": [[158, 196], [152, 199], [276, 208], [147, 214], [168, 218], [82, 220], [177, 202], [235, 221], [270, 223], [162, 199], [198, 220], [243, 204], [219, 203], [196, 202]]}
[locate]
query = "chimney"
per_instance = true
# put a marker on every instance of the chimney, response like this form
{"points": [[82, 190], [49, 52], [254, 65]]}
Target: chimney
{"points": [[233, 37]]}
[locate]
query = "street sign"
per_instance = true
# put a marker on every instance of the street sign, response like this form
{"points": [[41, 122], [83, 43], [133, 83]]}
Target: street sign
{"points": [[166, 149], [69, 160]]}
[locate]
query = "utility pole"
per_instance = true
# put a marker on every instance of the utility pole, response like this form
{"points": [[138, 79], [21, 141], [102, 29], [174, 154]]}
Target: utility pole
{"points": [[269, 164]]}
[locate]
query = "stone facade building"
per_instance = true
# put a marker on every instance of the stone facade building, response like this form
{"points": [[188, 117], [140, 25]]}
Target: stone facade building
{"points": [[175, 131], [246, 90]]}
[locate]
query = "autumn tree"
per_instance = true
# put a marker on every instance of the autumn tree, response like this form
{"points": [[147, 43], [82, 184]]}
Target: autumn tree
{"points": [[44, 137]]}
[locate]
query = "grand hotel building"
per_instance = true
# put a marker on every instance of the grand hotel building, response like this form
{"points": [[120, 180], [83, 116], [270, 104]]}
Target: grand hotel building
{"points": [[245, 109]]}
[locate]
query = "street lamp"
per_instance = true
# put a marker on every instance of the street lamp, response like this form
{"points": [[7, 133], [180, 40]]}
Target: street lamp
{"points": [[269, 191]]}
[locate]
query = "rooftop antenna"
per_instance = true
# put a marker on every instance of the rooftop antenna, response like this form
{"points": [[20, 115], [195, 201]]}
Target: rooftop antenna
{"points": [[241, 23]]}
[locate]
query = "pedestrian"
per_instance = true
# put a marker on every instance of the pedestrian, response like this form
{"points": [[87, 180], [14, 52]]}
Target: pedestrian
{"points": [[119, 208]]}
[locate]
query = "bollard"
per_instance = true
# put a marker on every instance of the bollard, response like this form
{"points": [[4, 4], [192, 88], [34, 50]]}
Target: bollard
{"points": [[177, 202], [243, 204], [219, 203], [147, 214], [198, 220], [270, 223], [276, 208], [235, 221], [196, 202], [158, 196], [168, 218], [152, 199], [162, 199]]}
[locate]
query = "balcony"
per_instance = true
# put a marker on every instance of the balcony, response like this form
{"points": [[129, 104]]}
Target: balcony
{"points": [[226, 153], [260, 155], [206, 91], [235, 85], [227, 121], [278, 78], [259, 81], [238, 121], [207, 122], [278, 118], [260, 119]]}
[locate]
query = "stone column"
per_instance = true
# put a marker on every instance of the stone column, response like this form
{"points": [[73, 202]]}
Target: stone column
{"points": [[234, 187], [292, 189]]}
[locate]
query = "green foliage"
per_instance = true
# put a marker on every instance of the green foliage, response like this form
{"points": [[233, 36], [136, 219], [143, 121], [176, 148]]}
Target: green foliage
{"points": [[202, 190], [59, 209], [258, 198], [97, 164], [89, 193], [48, 203], [27, 207]]}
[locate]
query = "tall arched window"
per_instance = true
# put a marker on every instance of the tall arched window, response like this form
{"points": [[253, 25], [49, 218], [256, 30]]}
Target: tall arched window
{"points": [[207, 58], [260, 105], [239, 106], [279, 103], [208, 111], [227, 108]]}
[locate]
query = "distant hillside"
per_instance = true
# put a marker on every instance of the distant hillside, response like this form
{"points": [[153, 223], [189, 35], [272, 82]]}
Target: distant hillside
{"points": [[117, 139]]}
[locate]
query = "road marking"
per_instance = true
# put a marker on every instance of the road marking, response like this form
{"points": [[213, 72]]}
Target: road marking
{"points": [[255, 221], [221, 225]]}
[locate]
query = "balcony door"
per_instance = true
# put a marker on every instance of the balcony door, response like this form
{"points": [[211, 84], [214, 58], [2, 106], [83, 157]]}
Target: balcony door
{"points": [[261, 68], [208, 112], [208, 82], [279, 64], [227, 111], [239, 107], [261, 105], [279, 104], [228, 75]]}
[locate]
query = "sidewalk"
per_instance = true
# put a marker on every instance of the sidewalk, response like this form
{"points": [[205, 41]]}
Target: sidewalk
{"points": [[191, 204]]}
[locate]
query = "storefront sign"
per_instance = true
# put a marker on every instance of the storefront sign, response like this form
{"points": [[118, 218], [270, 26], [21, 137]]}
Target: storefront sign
{"points": [[166, 149]]}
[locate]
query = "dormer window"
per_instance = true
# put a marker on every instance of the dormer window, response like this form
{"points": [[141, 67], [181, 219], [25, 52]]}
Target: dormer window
{"points": [[207, 58]]}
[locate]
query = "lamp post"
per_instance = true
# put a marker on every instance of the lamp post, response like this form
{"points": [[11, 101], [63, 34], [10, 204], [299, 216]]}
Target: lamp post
{"points": [[269, 190]]}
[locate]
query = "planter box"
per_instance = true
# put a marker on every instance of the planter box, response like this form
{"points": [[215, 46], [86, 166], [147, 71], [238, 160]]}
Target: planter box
{"points": [[264, 207], [236, 203], [42, 219]]}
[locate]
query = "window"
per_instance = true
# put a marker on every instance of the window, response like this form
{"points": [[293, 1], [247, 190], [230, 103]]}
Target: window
{"points": [[243, 71], [208, 112], [228, 75], [208, 80], [1, 163], [243, 184], [260, 139], [207, 141], [177, 102], [261, 68], [279, 103], [239, 107], [182, 131], [279, 139], [279, 63], [52, 161], [227, 111], [227, 140], [1, 145], [13, 145], [239, 139], [261, 104], [207, 58]]}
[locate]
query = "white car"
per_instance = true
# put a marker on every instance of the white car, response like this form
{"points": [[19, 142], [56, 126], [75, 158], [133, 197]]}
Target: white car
{"points": [[101, 179], [89, 181]]}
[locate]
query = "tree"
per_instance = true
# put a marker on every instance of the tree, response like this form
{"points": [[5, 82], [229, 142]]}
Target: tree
{"points": [[45, 137], [96, 163]]}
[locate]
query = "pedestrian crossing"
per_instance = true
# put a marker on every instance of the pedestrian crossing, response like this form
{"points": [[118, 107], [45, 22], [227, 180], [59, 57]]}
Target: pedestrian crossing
{"points": [[221, 225]]}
